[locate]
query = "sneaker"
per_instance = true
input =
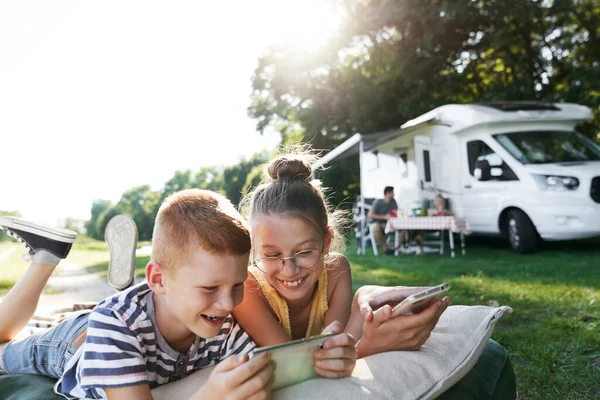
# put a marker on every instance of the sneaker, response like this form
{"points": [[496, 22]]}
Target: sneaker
{"points": [[40, 239], [419, 251], [121, 236], [389, 252]]}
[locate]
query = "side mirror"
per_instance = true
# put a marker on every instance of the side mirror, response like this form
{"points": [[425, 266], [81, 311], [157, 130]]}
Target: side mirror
{"points": [[497, 172], [482, 170]]}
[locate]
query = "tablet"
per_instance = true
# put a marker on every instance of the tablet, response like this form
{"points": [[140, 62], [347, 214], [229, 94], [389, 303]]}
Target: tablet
{"points": [[294, 359]]}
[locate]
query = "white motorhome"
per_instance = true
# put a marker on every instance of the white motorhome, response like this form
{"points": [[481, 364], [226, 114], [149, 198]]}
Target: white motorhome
{"points": [[517, 169]]}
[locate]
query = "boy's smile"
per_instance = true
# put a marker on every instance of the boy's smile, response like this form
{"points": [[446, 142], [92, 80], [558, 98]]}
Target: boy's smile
{"points": [[196, 297]]}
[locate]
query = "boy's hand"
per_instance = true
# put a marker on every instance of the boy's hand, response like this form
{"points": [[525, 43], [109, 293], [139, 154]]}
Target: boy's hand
{"points": [[405, 332], [238, 378], [338, 356]]}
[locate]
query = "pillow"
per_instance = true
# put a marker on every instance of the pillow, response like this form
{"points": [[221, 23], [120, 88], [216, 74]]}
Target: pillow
{"points": [[451, 351], [27, 387]]}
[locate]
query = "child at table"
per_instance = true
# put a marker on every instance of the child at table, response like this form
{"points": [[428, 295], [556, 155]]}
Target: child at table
{"points": [[439, 210]]}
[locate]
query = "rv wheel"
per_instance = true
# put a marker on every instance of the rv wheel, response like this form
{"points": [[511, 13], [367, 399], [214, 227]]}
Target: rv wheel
{"points": [[521, 233]]}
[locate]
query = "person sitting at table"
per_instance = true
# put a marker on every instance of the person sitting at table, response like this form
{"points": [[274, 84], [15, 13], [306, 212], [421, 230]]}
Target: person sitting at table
{"points": [[439, 204], [382, 210], [439, 210]]}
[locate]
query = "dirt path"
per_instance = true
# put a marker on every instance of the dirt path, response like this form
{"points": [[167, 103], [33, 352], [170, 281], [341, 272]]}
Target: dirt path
{"points": [[75, 284]]}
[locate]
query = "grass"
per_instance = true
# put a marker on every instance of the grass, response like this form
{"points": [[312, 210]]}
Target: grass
{"points": [[553, 336], [13, 267], [93, 255]]}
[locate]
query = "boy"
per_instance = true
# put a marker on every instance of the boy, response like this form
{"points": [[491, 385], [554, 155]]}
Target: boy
{"points": [[151, 333]]}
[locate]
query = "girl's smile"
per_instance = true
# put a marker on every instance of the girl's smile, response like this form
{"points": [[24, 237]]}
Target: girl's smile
{"points": [[284, 236]]}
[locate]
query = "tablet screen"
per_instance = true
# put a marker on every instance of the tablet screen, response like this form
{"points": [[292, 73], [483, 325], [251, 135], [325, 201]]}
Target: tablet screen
{"points": [[294, 359]]}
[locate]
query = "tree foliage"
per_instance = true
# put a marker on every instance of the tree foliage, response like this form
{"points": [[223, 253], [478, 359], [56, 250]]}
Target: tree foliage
{"points": [[142, 202], [396, 59]]}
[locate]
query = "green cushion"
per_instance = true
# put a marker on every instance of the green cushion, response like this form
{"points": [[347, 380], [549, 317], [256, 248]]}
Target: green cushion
{"points": [[27, 387], [492, 377]]}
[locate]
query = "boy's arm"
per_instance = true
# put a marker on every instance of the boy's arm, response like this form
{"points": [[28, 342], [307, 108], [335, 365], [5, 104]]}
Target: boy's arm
{"points": [[234, 378], [255, 316], [239, 378], [112, 355], [141, 392]]}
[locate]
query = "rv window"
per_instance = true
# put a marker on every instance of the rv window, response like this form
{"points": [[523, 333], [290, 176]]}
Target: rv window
{"points": [[427, 165], [541, 147], [479, 150]]}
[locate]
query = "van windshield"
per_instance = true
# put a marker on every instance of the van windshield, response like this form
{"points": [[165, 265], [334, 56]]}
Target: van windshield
{"points": [[540, 147]]}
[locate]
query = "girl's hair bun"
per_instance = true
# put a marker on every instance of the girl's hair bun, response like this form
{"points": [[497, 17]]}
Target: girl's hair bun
{"points": [[289, 168]]}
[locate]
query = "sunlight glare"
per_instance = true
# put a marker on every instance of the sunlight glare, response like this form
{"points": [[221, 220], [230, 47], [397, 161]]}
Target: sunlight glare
{"points": [[303, 26]]}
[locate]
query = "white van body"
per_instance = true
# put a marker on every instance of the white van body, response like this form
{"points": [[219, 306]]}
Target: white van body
{"points": [[513, 169], [541, 169]]}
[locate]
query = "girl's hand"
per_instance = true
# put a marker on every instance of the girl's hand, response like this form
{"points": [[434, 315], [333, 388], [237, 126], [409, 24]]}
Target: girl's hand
{"points": [[370, 297], [405, 332], [337, 357], [238, 378]]}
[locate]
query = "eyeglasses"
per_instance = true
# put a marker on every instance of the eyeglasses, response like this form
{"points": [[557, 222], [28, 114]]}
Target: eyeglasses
{"points": [[303, 259]]}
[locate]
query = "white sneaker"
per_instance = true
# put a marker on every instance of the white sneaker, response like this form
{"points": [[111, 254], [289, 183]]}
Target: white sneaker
{"points": [[121, 236], [419, 251]]}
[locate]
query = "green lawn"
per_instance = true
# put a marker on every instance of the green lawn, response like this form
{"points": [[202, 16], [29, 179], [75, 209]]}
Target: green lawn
{"points": [[553, 336]]}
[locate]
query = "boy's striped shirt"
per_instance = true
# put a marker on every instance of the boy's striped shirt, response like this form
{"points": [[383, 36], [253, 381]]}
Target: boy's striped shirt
{"points": [[124, 347]]}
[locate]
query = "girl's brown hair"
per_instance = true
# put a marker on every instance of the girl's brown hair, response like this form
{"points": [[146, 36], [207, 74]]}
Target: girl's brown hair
{"points": [[288, 189]]}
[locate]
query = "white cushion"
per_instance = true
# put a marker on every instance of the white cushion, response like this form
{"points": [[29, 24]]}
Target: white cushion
{"points": [[453, 348]]}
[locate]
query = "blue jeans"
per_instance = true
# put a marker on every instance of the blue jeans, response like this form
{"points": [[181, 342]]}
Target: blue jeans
{"points": [[46, 353]]}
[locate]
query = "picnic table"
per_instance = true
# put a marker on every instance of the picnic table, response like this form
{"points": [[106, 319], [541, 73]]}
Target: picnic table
{"points": [[451, 224]]}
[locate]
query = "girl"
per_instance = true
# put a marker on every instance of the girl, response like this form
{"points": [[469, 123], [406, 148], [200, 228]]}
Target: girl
{"points": [[297, 286]]}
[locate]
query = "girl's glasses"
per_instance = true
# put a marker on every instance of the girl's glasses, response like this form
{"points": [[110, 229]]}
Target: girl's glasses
{"points": [[302, 259]]}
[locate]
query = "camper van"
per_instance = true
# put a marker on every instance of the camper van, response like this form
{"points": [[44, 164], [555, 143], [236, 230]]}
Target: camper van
{"points": [[516, 169]]}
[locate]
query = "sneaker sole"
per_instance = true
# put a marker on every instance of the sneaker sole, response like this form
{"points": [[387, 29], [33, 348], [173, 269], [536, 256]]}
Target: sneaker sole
{"points": [[121, 236], [50, 232]]}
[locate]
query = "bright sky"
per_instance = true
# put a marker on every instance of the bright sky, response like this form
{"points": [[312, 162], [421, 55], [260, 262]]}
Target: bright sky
{"points": [[98, 97]]}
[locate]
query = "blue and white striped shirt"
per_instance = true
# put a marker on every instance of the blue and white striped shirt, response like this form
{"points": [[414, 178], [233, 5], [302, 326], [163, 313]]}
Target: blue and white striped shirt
{"points": [[124, 347]]}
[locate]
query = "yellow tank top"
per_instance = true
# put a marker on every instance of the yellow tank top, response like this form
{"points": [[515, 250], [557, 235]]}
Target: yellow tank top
{"points": [[279, 306]]}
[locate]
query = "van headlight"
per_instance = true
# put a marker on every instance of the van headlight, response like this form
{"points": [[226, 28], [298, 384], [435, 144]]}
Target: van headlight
{"points": [[555, 182]]}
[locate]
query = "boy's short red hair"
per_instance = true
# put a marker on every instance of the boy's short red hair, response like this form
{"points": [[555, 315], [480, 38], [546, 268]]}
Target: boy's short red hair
{"points": [[195, 217]]}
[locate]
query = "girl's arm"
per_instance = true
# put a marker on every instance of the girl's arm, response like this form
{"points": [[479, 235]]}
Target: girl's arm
{"points": [[339, 292], [255, 316]]}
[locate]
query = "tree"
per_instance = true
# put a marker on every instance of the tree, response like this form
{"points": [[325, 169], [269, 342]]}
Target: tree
{"points": [[235, 176], [73, 224], [98, 208], [103, 219], [396, 59], [140, 204]]}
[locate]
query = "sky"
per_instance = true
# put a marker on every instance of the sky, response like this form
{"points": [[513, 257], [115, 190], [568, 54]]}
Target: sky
{"points": [[99, 97]]}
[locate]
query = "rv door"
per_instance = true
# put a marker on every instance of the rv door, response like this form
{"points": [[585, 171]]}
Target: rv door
{"points": [[486, 181], [426, 158]]}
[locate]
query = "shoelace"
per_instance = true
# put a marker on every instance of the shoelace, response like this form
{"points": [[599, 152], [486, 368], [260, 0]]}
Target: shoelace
{"points": [[26, 257]]}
